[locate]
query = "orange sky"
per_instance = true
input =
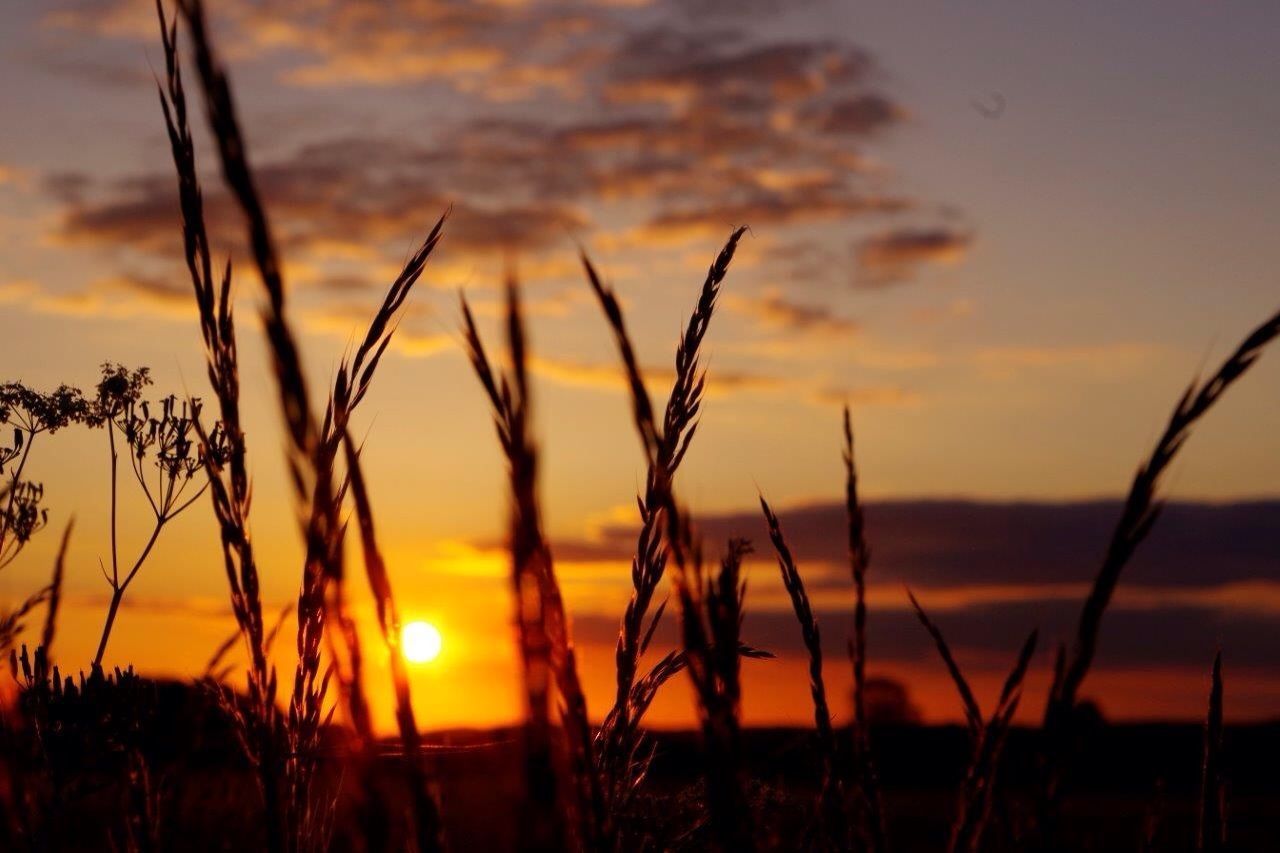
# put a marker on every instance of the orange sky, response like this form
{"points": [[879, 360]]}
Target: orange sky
{"points": [[1009, 304]]}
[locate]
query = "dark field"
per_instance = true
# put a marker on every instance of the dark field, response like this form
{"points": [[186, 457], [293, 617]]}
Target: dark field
{"points": [[1133, 787]]}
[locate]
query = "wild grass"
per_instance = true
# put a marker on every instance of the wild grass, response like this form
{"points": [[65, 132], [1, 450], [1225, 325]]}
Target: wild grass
{"points": [[312, 456], [987, 735], [664, 448], [1212, 835], [711, 611], [580, 784], [868, 818], [54, 601], [546, 648], [1141, 510], [831, 800]]}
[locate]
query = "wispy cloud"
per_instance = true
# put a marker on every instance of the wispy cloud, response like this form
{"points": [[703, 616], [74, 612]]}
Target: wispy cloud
{"points": [[609, 376], [12, 176], [414, 337], [773, 312], [696, 123], [895, 257], [117, 296]]}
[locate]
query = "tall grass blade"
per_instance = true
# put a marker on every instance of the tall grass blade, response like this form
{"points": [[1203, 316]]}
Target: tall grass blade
{"points": [[664, 446], [426, 811], [1141, 509], [546, 647], [830, 800], [1212, 835], [55, 594], [868, 806]]}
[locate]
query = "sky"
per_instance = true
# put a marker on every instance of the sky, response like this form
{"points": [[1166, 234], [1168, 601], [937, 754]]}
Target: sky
{"points": [[1006, 234]]}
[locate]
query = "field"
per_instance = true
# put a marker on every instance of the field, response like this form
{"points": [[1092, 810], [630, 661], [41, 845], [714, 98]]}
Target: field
{"points": [[249, 757]]}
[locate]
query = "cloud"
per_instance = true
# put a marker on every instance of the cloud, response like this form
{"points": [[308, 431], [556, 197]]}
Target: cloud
{"points": [[954, 543], [895, 257], [702, 75], [857, 115], [116, 296], [772, 311], [413, 337], [610, 377], [1208, 578], [762, 207], [986, 637], [711, 126], [636, 123], [122, 18], [496, 49], [17, 291], [343, 196], [12, 176]]}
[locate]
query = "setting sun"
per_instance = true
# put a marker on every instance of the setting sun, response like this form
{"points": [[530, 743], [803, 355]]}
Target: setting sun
{"points": [[421, 642]]}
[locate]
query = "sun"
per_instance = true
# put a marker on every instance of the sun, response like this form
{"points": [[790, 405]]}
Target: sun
{"points": [[421, 642]]}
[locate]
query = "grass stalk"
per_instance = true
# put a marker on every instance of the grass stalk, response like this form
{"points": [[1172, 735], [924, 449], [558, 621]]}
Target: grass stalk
{"points": [[1212, 834], [426, 811], [49, 632], [977, 791], [1141, 510], [711, 610], [831, 796], [868, 806], [664, 447], [546, 648]]}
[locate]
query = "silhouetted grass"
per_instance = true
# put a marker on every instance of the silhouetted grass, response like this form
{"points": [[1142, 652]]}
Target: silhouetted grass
{"points": [[665, 446], [582, 789], [829, 812], [1212, 835], [545, 644], [1141, 509]]}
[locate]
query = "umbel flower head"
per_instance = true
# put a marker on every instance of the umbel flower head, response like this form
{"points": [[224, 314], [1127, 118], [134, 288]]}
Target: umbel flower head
{"points": [[34, 411], [24, 515], [170, 434], [117, 390]]}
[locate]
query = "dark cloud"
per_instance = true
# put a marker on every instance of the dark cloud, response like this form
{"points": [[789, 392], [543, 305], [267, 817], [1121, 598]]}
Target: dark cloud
{"points": [[894, 257], [948, 543], [670, 122], [1208, 579], [703, 75], [857, 115], [797, 205], [987, 637], [357, 194]]}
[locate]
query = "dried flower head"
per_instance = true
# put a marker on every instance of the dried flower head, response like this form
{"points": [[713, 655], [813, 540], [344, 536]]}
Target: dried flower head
{"points": [[21, 517], [117, 389], [34, 412], [162, 435]]}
